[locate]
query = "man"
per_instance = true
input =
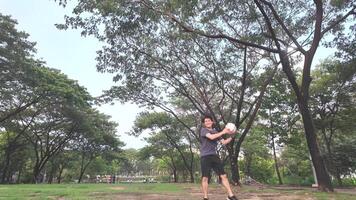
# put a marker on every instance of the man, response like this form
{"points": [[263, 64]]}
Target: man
{"points": [[209, 157]]}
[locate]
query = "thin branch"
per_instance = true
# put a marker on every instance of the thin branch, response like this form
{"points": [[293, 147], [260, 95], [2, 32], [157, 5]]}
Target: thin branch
{"points": [[276, 16], [336, 22]]}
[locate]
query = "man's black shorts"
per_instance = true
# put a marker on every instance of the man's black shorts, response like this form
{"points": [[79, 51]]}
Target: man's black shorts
{"points": [[211, 162]]}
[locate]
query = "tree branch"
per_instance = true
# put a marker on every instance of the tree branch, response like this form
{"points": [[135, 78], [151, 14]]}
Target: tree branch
{"points": [[276, 16], [338, 21]]}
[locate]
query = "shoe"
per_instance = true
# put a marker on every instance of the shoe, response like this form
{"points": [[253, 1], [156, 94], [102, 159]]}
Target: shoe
{"points": [[231, 198], [205, 198]]}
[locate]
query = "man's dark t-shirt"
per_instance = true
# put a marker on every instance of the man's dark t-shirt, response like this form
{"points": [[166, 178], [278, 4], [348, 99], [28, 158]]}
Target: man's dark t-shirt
{"points": [[208, 147]]}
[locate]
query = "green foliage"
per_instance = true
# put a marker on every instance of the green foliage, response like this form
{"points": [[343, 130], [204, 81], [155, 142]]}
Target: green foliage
{"points": [[261, 169], [346, 182], [44, 116], [333, 93], [169, 143], [257, 162]]}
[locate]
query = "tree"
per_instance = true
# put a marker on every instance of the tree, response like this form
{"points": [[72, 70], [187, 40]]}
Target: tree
{"points": [[43, 114], [16, 64], [255, 153], [14, 150], [128, 165], [157, 67], [295, 161], [261, 25], [278, 116], [55, 119], [332, 101], [160, 148], [174, 137], [97, 138]]}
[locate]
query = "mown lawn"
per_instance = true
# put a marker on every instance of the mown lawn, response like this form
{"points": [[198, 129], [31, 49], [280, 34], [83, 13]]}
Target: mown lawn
{"points": [[158, 191], [80, 191]]}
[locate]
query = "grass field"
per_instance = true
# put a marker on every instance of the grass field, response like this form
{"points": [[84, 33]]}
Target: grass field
{"points": [[80, 191], [164, 191]]}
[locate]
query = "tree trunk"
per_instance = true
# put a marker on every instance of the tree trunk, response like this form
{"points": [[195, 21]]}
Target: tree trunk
{"points": [[40, 163], [277, 168], [175, 176], [84, 167], [59, 178], [51, 174], [248, 161], [235, 176], [80, 176], [302, 94], [6, 166], [191, 174], [276, 162], [274, 150], [36, 173], [324, 182], [19, 176]]}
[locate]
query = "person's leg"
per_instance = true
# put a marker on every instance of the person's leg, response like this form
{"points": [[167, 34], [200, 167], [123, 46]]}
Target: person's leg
{"points": [[226, 184], [204, 185], [219, 169], [205, 170]]}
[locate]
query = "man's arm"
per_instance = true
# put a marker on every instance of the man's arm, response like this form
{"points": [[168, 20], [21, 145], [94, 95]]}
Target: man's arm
{"points": [[219, 134], [226, 141]]}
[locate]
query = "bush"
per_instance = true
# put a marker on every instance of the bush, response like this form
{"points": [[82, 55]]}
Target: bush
{"points": [[346, 182]]}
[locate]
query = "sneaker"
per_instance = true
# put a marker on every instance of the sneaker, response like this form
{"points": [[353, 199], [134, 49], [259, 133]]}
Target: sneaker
{"points": [[231, 198]]}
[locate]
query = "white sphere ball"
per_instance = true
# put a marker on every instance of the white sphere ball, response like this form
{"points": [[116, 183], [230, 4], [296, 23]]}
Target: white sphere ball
{"points": [[231, 127]]}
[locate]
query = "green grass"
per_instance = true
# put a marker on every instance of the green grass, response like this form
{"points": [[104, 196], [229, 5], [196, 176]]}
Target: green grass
{"points": [[303, 192], [336, 196], [111, 191], [80, 191]]}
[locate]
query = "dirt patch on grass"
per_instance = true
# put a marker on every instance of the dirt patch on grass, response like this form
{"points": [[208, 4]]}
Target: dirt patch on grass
{"points": [[118, 188], [347, 191]]}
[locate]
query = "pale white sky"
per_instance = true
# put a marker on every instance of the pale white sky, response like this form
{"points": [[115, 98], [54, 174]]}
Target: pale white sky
{"points": [[72, 54]]}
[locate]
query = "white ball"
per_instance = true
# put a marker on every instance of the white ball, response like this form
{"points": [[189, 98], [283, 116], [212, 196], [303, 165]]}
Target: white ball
{"points": [[231, 126]]}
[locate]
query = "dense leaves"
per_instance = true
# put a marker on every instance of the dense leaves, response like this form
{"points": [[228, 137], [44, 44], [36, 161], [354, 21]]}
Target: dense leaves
{"points": [[44, 115]]}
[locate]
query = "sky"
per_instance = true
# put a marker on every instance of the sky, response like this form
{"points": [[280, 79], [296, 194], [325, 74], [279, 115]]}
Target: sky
{"points": [[72, 54]]}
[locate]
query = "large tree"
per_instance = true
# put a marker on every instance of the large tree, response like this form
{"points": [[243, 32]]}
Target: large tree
{"points": [[287, 29], [333, 106], [56, 119], [154, 62]]}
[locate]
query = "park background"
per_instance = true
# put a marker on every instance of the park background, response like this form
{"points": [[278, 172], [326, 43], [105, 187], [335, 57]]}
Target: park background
{"points": [[56, 129]]}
